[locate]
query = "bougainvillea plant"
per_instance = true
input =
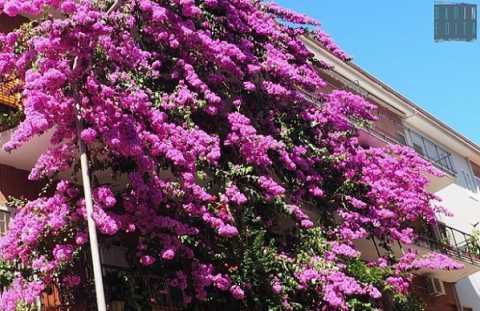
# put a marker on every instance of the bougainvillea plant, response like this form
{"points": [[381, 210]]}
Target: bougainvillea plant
{"points": [[211, 165]]}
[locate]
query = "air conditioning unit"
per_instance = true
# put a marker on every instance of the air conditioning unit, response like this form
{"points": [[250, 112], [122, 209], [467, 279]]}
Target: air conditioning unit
{"points": [[435, 286]]}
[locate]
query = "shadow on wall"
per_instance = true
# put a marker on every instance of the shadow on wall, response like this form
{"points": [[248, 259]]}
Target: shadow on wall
{"points": [[14, 182], [8, 23]]}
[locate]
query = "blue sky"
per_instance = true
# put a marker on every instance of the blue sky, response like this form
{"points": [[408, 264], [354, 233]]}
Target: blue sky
{"points": [[393, 40]]}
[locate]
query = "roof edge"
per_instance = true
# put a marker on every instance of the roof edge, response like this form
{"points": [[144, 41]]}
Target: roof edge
{"points": [[472, 145]]}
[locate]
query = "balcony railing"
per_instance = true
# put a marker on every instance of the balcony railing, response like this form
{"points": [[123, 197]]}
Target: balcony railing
{"points": [[10, 104], [443, 239], [382, 136], [451, 242], [8, 96]]}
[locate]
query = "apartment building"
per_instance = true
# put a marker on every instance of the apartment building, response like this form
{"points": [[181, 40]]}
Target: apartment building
{"points": [[400, 121]]}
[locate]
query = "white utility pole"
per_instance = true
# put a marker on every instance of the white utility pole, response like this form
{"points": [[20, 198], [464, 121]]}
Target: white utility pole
{"points": [[92, 230], [87, 191]]}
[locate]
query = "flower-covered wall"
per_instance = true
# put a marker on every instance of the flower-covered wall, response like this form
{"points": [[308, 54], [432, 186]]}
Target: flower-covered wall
{"points": [[225, 180]]}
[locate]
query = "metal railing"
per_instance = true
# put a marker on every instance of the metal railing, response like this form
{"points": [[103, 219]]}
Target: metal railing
{"points": [[442, 239], [440, 163], [451, 242]]}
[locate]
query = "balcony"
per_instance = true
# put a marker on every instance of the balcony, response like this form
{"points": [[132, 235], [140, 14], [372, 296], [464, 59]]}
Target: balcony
{"points": [[10, 114], [8, 96], [452, 242], [374, 137], [443, 239], [424, 147]]}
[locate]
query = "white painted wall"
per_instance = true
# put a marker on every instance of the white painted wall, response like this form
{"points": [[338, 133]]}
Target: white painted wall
{"points": [[468, 291], [463, 200], [26, 156], [462, 197], [464, 204]]}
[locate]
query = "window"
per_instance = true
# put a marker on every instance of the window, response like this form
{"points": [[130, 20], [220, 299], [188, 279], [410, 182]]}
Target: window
{"points": [[473, 12], [455, 12], [4, 220], [447, 28], [431, 151], [437, 12], [446, 13], [418, 148], [469, 182], [477, 181], [401, 139]]}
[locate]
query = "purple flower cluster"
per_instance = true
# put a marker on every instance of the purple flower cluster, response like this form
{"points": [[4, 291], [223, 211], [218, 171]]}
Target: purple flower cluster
{"points": [[330, 45], [20, 291], [335, 286], [291, 16], [270, 187], [254, 148]]}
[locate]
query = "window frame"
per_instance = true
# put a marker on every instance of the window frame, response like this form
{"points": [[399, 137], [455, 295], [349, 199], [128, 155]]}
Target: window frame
{"points": [[5, 217]]}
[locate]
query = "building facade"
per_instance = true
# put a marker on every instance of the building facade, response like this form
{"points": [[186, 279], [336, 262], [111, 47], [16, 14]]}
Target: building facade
{"points": [[400, 121]]}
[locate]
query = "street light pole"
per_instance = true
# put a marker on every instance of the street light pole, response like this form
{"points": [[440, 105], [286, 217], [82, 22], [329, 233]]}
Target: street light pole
{"points": [[87, 191]]}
